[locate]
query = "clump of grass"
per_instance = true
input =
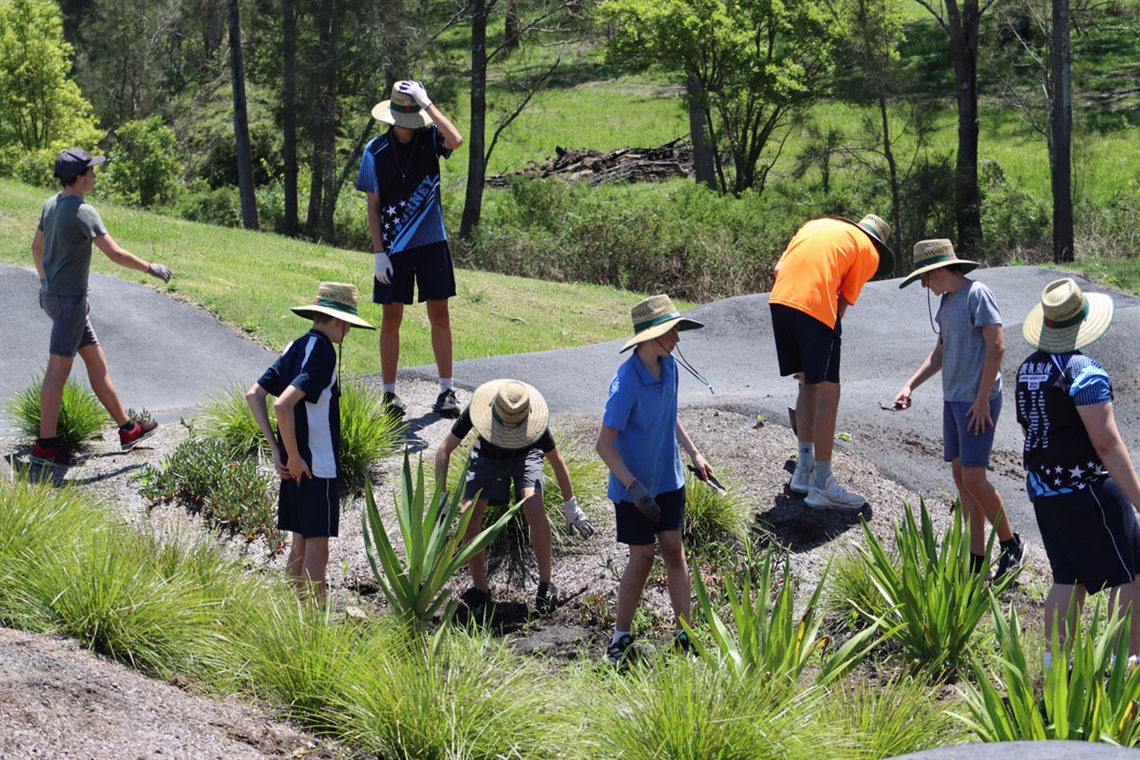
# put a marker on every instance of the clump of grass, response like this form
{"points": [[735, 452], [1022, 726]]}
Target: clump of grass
{"points": [[713, 517], [851, 592], [367, 432], [226, 419], [81, 416]]}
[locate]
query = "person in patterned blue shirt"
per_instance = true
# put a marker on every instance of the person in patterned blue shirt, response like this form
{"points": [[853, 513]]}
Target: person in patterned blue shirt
{"points": [[399, 175], [1079, 475]]}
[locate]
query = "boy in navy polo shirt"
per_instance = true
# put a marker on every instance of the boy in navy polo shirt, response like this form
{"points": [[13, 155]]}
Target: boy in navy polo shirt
{"points": [[638, 443], [306, 448]]}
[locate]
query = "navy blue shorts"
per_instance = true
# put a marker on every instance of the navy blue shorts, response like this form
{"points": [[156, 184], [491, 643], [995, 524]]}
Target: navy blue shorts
{"points": [[958, 442], [1090, 536], [427, 267], [804, 344], [311, 508], [632, 526], [491, 478]]}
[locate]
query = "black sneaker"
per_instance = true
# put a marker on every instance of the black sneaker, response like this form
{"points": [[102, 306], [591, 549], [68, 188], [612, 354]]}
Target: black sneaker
{"points": [[622, 653], [1011, 558], [546, 600], [475, 600], [446, 405], [394, 405], [682, 644]]}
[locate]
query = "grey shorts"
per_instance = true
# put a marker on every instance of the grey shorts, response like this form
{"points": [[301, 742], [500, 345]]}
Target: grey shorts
{"points": [[493, 477], [70, 327]]}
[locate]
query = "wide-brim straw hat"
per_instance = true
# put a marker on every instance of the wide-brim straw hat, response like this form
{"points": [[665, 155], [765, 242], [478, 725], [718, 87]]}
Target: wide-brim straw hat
{"points": [[509, 413], [935, 254], [654, 317], [878, 230], [401, 110], [335, 299], [1067, 319]]}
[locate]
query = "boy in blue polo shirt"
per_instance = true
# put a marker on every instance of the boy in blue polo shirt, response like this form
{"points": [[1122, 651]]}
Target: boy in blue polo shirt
{"points": [[306, 447], [638, 443]]}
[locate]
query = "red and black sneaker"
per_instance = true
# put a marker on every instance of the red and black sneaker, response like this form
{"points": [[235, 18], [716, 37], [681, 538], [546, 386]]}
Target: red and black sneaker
{"points": [[141, 430], [55, 455]]}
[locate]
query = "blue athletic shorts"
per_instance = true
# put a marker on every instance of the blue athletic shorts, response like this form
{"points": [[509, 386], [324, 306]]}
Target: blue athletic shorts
{"points": [[1090, 536], [491, 478], [311, 508], [70, 326], [427, 267], [804, 344], [959, 442], [633, 528]]}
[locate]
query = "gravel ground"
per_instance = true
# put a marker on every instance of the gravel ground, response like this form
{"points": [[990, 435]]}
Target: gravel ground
{"points": [[58, 700]]}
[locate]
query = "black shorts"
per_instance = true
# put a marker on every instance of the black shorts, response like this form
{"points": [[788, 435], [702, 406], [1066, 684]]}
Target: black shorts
{"points": [[632, 526], [492, 478], [804, 344], [311, 508], [1090, 536], [427, 267]]}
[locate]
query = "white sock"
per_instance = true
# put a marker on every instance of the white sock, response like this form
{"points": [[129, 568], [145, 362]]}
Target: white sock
{"points": [[617, 636], [821, 473], [444, 384], [806, 456], [389, 387]]}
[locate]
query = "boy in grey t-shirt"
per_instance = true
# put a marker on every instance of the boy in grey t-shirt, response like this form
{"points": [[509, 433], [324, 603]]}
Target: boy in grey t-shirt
{"points": [[968, 353]]}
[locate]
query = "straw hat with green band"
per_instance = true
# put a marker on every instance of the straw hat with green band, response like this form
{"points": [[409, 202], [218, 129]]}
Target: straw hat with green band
{"points": [[654, 317], [335, 299], [935, 254], [401, 110], [509, 413], [878, 230], [1067, 319]]}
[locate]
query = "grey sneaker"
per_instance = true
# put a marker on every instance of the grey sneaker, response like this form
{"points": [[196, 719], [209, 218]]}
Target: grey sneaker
{"points": [[446, 405], [801, 480], [1011, 557], [622, 653], [394, 405], [834, 497]]}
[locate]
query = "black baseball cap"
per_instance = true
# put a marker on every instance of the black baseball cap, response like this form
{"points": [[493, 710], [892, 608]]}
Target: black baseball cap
{"points": [[73, 162]]}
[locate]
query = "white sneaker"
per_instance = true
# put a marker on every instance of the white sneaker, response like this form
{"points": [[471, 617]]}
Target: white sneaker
{"points": [[834, 497], [801, 480]]}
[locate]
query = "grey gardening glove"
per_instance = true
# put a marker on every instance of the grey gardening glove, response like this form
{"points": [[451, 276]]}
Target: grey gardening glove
{"points": [[576, 519], [416, 90], [382, 268], [159, 271], [645, 503]]}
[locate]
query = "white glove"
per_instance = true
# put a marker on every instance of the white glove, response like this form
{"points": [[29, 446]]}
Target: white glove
{"points": [[576, 519], [383, 268], [416, 90], [159, 271]]}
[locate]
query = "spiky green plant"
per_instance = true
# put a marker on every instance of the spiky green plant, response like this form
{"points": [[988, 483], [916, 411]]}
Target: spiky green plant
{"points": [[713, 517], [1089, 694], [82, 417], [415, 585], [771, 639]]}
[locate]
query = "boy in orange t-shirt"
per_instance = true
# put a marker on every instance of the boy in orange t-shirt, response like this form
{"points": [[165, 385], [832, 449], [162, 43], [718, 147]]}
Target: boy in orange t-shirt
{"points": [[819, 275]]}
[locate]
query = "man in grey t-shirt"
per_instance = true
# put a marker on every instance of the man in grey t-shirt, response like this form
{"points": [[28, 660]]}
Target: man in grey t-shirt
{"points": [[968, 353], [61, 249]]}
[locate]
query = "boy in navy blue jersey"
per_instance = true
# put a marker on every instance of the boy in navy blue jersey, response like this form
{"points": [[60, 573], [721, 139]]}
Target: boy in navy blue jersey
{"points": [[306, 448]]}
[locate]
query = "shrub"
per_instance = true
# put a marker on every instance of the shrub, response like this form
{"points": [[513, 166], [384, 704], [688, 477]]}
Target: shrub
{"points": [[81, 416], [145, 169], [1012, 220], [1090, 693], [935, 600], [367, 432], [712, 516]]}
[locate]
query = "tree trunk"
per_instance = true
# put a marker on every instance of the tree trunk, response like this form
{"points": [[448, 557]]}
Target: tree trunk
{"points": [[289, 114], [1062, 118], [477, 161], [241, 122], [331, 120], [963, 24], [322, 165], [511, 28], [893, 170], [704, 162]]}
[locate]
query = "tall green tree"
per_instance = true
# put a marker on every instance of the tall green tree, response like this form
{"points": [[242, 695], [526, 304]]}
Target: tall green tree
{"points": [[756, 62], [39, 105], [241, 120]]}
